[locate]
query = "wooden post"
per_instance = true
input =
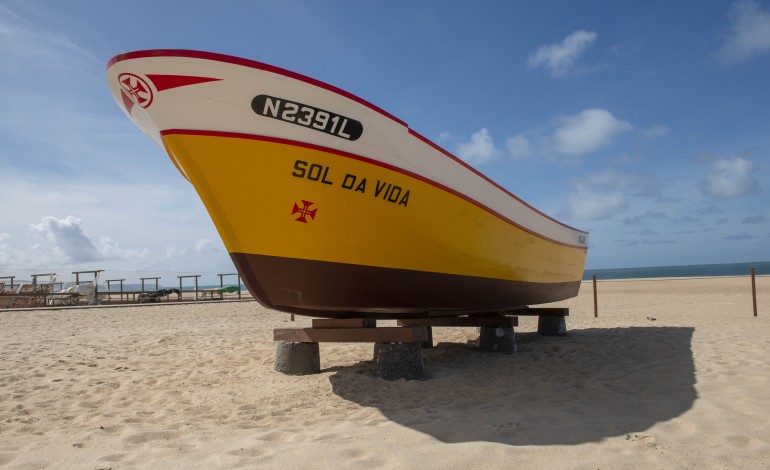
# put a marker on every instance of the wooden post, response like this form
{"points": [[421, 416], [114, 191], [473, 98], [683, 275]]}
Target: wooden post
{"points": [[196, 276], [109, 289], [754, 289], [157, 285], [11, 278], [222, 283], [95, 273], [596, 303], [51, 277]]}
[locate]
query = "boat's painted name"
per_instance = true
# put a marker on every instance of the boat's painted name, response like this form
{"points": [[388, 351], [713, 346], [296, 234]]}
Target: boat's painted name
{"points": [[307, 116], [382, 189]]}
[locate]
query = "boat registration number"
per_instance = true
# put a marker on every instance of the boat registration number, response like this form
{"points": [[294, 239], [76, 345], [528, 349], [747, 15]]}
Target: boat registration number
{"points": [[307, 116]]}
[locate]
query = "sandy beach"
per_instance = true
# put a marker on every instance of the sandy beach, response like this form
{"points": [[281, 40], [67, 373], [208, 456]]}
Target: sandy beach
{"points": [[673, 374]]}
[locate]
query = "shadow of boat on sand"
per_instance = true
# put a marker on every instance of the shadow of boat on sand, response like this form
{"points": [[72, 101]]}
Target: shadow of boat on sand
{"points": [[593, 384]]}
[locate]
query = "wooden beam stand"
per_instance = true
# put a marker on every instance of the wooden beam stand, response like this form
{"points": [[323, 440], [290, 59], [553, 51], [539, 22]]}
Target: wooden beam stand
{"points": [[397, 352], [415, 334], [491, 321], [542, 312], [344, 323]]}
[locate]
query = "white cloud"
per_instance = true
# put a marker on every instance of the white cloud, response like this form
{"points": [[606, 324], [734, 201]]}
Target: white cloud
{"points": [[444, 137], [519, 147], [687, 219], [586, 205], [110, 250], [480, 149], [655, 131], [9, 255], [82, 157], [642, 218], [559, 59], [710, 209], [749, 33], [172, 250], [65, 240], [588, 131], [57, 242], [626, 159], [130, 224], [730, 178], [607, 179], [644, 241], [29, 43], [52, 83], [206, 244], [742, 236]]}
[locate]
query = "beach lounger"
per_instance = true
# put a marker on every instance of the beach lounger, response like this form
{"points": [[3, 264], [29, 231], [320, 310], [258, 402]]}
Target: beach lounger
{"points": [[220, 291], [26, 296], [155, 296], [5, 295]]}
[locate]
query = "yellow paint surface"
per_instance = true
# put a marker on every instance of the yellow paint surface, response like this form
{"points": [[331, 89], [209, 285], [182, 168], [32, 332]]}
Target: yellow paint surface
{"points": [[250, 188]]}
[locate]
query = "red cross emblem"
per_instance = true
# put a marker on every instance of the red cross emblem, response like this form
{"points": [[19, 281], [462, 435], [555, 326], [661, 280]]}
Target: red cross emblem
{"points": [[304, 211], [136, 88]]}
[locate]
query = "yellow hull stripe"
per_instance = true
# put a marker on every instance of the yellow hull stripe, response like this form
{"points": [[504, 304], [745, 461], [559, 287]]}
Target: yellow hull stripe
{"points": [[355, 212]]}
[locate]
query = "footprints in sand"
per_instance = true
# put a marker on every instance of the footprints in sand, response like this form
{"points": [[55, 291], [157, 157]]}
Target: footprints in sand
{"points": [[144, 437], [252, 451], [5, 459], [114, 458], [645, 439]]}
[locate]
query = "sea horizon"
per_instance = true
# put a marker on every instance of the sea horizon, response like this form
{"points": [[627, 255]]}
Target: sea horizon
{"points": [[691, 270]]}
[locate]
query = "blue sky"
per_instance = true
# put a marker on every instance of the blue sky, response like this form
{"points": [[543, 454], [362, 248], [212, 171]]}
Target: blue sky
{"points": [[645, 123]]}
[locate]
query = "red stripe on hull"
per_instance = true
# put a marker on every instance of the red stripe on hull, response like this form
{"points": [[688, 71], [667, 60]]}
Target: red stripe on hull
{"points": [[166, 82], [488, 180], [228, 59], [372, 162]]}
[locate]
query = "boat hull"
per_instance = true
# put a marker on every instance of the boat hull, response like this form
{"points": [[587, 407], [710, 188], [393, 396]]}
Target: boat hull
{"points": [[327, 233], [326, 289], [326, 218]]}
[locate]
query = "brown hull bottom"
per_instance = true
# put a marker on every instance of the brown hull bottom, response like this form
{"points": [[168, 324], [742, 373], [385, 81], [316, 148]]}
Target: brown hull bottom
{"points": [[336, 290]]}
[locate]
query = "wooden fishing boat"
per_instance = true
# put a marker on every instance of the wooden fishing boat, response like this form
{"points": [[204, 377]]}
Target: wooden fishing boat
{"points": [[329, 206]]}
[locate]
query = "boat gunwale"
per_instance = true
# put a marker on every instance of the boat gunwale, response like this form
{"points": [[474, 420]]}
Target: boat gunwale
{"points": [[224, 58], [229, 59], [371, 161]]}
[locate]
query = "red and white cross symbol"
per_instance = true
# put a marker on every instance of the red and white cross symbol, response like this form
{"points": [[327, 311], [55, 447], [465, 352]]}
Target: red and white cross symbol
{"points": [[304, 211]]}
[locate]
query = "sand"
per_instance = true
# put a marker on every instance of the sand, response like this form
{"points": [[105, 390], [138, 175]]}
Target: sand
{"points": [[673, 374]]}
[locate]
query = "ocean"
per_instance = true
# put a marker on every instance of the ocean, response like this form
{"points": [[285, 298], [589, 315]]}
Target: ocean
{"points": [[695, 270]]}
